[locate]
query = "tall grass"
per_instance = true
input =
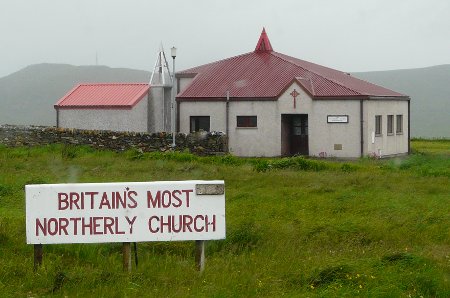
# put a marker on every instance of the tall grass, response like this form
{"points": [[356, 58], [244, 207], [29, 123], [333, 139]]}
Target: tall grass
{"points": [[297, 228]]}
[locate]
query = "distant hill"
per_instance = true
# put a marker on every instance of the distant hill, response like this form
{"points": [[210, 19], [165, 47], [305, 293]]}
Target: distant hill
{"points": [[28, 96], [429, 89]]}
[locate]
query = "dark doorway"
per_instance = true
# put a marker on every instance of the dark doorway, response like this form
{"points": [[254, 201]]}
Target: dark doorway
{"points": [[294, 134]]}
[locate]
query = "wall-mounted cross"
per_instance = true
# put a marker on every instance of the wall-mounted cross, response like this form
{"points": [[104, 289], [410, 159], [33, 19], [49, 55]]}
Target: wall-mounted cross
{"points": [[294, 94]]}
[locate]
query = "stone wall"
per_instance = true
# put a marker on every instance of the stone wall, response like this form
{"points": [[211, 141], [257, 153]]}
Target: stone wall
{"points": [[199, 143]]}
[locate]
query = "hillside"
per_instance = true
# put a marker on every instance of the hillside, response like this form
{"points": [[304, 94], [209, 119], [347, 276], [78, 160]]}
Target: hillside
{"points": [[429, 89], [28, 96]]}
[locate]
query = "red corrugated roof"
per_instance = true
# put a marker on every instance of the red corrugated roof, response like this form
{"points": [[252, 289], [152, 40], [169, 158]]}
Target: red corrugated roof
{"points": [[113, 95], [265, 74]]}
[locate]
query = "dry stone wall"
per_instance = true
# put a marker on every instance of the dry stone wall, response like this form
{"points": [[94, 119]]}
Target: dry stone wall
{"points": [[204, 143]]}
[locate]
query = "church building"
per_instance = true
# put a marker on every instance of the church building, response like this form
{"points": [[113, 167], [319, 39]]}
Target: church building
{"points": [[267, 103], [271, 104]]}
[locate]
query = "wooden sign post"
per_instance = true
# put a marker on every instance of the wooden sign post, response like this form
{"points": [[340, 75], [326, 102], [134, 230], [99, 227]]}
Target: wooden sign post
{"points": [[125, 212], [200, 255], [126, 252], [38, 252]]}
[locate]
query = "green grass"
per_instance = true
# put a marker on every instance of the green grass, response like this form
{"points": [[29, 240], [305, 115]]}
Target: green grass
{"points": [[439, 146], [296, 227]]}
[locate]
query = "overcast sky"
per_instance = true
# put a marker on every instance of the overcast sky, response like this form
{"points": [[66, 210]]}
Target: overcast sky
{"points": [[349, 35]]}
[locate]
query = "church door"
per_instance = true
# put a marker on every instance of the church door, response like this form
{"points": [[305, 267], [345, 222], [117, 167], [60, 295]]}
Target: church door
{"points": [[294, 134]]}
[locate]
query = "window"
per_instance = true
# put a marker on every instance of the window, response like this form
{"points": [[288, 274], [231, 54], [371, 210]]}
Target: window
{"points": [[399, 123], [246, 121], [378, 126], [199, 123], [390, 124]]}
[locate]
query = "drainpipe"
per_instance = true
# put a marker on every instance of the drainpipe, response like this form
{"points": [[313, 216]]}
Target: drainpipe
{"points": [[361, 126], [177, 126], [57, 118], [227, 121], [163, 109], [409, 126]]}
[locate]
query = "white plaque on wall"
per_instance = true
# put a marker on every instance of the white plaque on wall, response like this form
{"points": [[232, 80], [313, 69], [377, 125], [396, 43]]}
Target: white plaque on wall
{"points": [[337, 119]]}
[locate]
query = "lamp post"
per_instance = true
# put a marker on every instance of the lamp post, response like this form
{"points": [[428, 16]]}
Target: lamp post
{"points": [[173, 53]]}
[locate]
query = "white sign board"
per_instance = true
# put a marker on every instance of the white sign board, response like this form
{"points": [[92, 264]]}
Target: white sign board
{"points": [[337, 118], [125, 212]]}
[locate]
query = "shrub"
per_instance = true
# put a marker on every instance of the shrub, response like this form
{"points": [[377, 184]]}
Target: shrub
{"points": [[261, 165], [283, 163], [229, 159], [346, 167], [135, 154], [302, 163]]}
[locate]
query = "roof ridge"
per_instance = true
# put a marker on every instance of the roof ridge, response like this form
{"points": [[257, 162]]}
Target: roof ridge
{"points": [[330, 80], [214, 62], [110, 84]]}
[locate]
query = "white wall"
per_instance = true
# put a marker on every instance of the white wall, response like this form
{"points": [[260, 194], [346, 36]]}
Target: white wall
{"points": [[385, 144], [261, 141], [134, 119], [265, 140], [322, 135], [159, 110], [183, 83], [214, 109]]}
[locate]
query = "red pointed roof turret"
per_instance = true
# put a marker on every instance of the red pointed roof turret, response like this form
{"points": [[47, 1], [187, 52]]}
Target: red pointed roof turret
{"points": [[263, 44]]}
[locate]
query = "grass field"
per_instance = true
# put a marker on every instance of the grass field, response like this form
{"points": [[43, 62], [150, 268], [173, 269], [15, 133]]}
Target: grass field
{"points": [[295, 227]]}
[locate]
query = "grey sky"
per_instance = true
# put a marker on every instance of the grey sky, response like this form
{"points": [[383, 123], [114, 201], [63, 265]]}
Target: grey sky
{"points": [[349, 35]]}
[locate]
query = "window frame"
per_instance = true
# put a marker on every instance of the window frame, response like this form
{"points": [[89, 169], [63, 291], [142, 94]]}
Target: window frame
{"points": [[390, 125], [378, 125], [399, 124], [197, 122], [247, 121]]}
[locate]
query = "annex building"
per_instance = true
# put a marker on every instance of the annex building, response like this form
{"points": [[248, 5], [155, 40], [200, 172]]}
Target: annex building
{"points": [[267, 103]]}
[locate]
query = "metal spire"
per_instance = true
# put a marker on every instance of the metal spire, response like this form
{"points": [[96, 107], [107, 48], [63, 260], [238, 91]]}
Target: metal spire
{"points": [[161, 75]]}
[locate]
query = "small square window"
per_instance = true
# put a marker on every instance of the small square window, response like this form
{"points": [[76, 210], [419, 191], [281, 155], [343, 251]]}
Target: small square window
{"points": [[199, 123], [247, 121], [378, 126], [399, 129], [390, 124]]}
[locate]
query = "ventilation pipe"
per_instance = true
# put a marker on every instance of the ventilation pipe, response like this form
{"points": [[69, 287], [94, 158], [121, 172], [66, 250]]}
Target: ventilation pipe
{"points": [[361, 126], [227, 121]]}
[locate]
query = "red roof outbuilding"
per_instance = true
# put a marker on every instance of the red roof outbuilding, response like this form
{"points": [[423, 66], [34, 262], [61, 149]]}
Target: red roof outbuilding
{"points": [[103, 96], [265, 74]]}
